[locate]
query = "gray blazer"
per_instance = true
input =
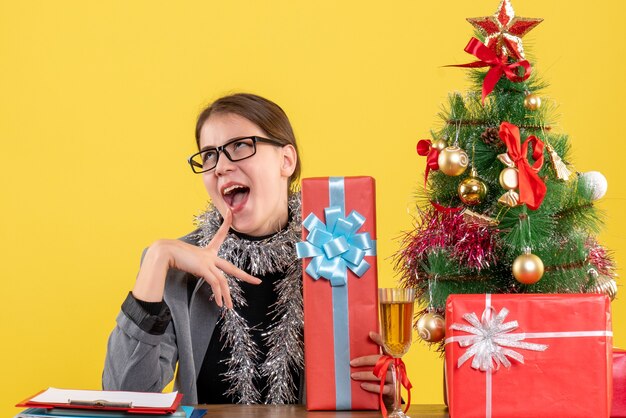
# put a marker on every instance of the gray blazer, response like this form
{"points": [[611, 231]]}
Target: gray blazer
{"points": [[139, 361]]}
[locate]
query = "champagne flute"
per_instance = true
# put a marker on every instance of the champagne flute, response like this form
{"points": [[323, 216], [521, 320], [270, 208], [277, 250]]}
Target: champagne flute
{"points": [[396, 324]]}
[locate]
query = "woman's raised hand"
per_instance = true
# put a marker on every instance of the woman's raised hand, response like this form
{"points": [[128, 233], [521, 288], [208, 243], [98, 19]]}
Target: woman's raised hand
{"points": [[201, 262], [215, 266]]}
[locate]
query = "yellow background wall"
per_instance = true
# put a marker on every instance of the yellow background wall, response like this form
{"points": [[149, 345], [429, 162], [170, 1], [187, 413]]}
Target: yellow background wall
{"points": [[97, 109]]}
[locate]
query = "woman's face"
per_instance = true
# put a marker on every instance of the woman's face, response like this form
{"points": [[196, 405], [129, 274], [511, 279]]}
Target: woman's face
{"points": [[254, 189]]}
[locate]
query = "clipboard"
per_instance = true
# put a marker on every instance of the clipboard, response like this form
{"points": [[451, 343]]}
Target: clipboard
{"points": [[104, 401], [91, 413]]}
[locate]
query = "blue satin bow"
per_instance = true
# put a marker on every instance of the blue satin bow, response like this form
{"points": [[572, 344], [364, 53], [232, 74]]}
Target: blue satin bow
{"points": [[335, 246]]}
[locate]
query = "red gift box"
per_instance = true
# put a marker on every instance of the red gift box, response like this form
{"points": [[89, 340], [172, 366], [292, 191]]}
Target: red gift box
{"points": [[540, 355], [618, 409], [339, 288]]}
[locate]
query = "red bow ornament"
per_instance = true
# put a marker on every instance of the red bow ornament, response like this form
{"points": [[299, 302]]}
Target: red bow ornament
{"points": [[425, 149], [532, 189], [380, 371], [445, 209], [499, 66]]}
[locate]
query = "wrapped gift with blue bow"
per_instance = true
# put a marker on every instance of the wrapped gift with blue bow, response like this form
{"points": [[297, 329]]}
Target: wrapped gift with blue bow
{"points": [[340, 288]]}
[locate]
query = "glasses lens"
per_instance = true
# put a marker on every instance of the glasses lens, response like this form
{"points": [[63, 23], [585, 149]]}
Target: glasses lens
{"points": [[240, 149], [204, 161]]}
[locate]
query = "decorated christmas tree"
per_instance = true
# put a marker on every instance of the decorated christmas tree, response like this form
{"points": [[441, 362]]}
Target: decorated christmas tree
{"points": [[502, 209]]}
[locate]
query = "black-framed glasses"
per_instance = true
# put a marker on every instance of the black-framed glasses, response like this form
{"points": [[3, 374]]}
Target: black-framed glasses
{"points": [[236, 150]]}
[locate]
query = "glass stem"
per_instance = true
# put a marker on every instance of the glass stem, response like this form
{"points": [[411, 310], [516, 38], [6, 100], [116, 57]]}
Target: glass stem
{"points": [[397, 383]]}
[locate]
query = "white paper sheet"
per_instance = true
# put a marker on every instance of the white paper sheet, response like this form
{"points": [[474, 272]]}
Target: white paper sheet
{"points": [[136, 399]]}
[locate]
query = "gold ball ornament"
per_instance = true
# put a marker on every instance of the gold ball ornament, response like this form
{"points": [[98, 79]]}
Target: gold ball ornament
{"points": [[532, 101], [431, 327], [453, 161], [472, 190], [438, 144], [509, 178], [528, 268]]}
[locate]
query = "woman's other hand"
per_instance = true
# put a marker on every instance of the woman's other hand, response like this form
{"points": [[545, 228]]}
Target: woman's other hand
{"points": [[370, 382]]}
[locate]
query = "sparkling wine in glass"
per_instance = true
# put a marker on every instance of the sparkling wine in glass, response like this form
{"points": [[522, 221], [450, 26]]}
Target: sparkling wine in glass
{"points": [[396, 324]]}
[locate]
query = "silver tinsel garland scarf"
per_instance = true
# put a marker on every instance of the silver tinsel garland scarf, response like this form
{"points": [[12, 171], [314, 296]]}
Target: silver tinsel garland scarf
{"points": [[284, 338]]}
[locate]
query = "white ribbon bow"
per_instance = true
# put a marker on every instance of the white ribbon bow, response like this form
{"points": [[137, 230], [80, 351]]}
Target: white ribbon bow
{"points": [[491, 339]]}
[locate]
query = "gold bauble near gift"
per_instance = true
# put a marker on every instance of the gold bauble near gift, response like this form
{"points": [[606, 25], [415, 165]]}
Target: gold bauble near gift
{"points": [[532, 101], [472, 190], [431, 327], [509, 178], [528, 268], [453, 161], [603, 284], [438, 144]]}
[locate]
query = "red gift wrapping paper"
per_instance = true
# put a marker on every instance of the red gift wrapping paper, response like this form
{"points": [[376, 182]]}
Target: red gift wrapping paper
{"points": [[618, 409], [571, 378], [322, 385]]}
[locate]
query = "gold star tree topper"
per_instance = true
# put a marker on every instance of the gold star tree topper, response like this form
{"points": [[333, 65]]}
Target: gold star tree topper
{"points": [[503, 30]]}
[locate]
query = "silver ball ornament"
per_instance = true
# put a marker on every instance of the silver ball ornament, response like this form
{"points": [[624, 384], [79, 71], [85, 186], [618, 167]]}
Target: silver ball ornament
{"points": [[595, 182]]}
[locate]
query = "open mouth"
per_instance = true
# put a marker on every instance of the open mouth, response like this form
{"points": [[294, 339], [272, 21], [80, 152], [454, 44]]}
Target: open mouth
{"points": [[235, 196]]}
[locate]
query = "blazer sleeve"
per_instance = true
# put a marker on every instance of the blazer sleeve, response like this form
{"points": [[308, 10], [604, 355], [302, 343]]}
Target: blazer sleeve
{"points": [[141, 352]]}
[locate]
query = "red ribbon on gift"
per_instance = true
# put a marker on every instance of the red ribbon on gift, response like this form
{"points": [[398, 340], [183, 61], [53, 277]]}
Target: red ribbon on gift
{"points": [[380, 371], [499, 66], [532, 189], [425, 149]]}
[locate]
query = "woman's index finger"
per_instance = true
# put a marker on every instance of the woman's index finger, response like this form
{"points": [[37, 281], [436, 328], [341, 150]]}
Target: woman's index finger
{"points": [[222, 232]]}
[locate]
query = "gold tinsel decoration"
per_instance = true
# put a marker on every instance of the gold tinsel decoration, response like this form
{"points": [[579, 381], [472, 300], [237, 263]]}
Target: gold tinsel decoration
{"points": [[603, 284]]}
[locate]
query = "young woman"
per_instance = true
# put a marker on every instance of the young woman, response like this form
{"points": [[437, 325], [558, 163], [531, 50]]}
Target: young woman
{"points": [[224, 303]]}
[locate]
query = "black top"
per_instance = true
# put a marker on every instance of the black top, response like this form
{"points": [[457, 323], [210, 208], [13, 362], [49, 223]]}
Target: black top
{"points": [[259, 299]]}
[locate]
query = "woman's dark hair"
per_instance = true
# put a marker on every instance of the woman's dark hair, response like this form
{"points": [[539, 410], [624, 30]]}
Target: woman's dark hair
{"points": [[266, 114]]}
